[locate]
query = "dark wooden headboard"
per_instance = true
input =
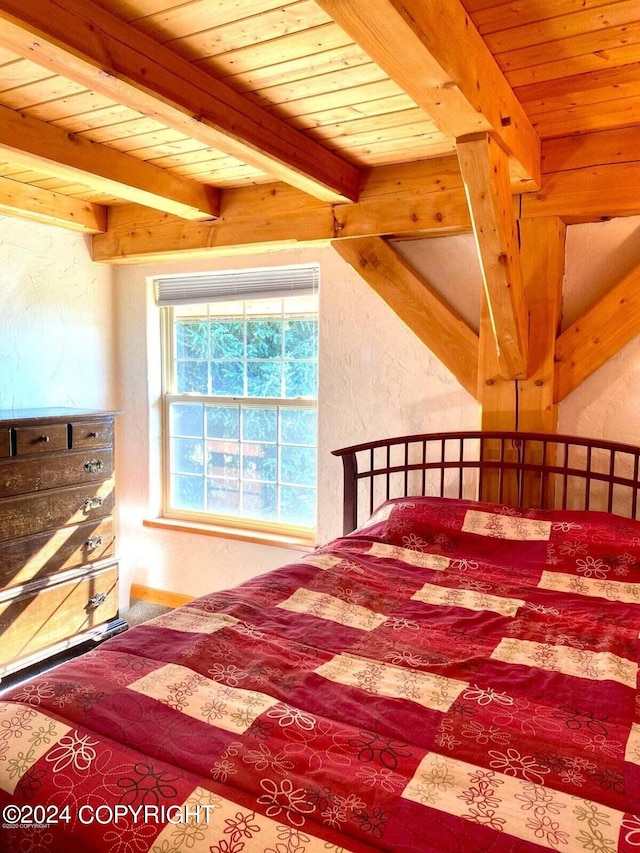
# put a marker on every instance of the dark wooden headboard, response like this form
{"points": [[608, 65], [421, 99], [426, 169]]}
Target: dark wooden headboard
{"points": [[513, 468]]}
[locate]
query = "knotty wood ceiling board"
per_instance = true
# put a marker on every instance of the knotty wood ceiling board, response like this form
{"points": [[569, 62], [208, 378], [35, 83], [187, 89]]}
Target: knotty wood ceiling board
{"points": [[573, 64]]}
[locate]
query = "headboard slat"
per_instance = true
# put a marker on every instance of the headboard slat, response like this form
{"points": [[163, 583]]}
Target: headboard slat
{"points": [[545, 475]]}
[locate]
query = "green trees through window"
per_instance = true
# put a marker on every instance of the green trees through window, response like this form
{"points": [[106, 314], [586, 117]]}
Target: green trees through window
{"points": [[242, 416]]}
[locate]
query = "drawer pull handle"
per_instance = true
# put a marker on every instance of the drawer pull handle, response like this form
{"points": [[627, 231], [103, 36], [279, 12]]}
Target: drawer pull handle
{"points": [[45, 439], [93, 435], [92, 503], [93, 542], [96, 600], [93, 465]]}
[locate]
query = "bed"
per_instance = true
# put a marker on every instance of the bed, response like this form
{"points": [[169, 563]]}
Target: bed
{"points": [[451, 674]]}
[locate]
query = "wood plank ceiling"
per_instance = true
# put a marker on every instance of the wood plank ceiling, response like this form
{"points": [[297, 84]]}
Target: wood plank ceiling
{"points": [[574, 65]]}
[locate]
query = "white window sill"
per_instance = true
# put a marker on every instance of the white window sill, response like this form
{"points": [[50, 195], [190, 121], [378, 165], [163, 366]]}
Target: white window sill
{"points": [[258, 537]]}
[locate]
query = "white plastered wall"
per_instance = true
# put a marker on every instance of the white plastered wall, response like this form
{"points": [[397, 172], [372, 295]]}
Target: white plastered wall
{"points": [[376, 379], [607, 404], [56, 320]]}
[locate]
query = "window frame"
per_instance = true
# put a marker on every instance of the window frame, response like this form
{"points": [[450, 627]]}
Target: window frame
{"points": [[304, 534]]}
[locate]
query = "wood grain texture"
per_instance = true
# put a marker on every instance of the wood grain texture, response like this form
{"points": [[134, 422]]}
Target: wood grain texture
{"points": [[37, 620], [543, 258], [417, 304], [31, 474], [41, 146], [102, 53], [42, 205], [45, 554], [417, 42], [598, 335], [484, 170], [588, 194], [404, 200], [27, 515]]}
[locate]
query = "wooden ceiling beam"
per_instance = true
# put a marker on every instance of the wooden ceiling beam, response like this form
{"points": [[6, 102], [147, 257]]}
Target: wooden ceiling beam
{"points": [[588, 177], [413, 200], [432, 50], [81, 41], [420, 198], [417, 303], [598, 335], [51, 150], [484, 170], [40, 205]]}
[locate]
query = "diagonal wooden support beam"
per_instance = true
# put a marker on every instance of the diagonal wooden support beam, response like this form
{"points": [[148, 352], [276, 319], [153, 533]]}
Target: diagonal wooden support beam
{"points": [[598, 335], [432, 50], [83, 42], [485, 174], [44, 147], [417, 304], [42, 205]]}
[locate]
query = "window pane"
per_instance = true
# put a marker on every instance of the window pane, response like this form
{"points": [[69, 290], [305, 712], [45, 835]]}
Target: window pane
{"points": [[300, 337], [186, 419], [244, 456], [264, 338], [260, 462], [223, 422], [191, 339], [298, 426], [259, 424], [264, 379], [260, 500], [187, 492], [298, 465], [260, 307], [192, 376], [223, 496], [187, 456], [301, 379], [223, 459], [227, 378], [298, 506], [227, 338]]}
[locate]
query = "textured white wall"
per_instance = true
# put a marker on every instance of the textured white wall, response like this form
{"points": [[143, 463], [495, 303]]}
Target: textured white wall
{"points": [[56, 320], [376, 379], [607, 404]]}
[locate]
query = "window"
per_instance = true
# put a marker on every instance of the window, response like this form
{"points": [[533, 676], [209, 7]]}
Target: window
{"points": [[241, 379]]}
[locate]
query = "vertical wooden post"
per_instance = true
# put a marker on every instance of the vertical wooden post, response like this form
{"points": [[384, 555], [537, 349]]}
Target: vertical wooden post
{"points": [[498, 407], [542, 250], [485, 172], [526, 404], [542, 245]]}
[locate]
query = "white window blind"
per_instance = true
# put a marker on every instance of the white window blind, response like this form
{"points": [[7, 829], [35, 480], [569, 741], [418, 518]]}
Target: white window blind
{"points": [[236, 285]]}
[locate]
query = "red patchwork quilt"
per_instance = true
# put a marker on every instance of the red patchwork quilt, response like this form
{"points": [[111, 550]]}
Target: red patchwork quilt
{"points": [[453, 676]]}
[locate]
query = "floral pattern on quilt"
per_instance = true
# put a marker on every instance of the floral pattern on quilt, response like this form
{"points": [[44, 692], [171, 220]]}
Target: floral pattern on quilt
{"points": [[450, 678]]}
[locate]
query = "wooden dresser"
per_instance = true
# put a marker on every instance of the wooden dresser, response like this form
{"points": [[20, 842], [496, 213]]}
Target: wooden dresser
{"points": [[58, 571]]}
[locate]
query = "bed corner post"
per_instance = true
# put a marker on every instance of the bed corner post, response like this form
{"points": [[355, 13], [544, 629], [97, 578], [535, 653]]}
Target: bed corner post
{"points": [[350, 499]]}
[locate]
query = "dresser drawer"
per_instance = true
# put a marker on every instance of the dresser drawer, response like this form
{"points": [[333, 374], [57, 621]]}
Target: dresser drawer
{"points": [[48, 510], [42, 438], [19, 476], [87, 434], [5, 442], [35, 558], [33, 622]]}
